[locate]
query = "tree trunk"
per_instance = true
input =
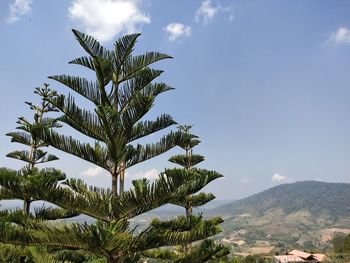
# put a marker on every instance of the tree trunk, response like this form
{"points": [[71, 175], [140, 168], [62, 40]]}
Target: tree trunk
{"points": [[115, 184], [188, 212], [26, 206], [122, 178]]}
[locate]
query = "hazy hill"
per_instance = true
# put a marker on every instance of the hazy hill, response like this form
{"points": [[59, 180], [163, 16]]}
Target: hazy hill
{"points": [[319, 198], [306, 212]]}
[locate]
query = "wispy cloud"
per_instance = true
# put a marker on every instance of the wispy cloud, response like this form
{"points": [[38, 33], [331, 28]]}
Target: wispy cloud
{"points": [[340, 36], [176, 30], [104, 19], [279, 178], [93, 171], [150, 175], [207, 11], [19, 8]]}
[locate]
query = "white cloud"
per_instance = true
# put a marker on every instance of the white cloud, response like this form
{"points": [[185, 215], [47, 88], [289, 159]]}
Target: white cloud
{"points": [[104, 19], [93, 171], [19, 8], [341, 36], [207, 11], [278, 178], [150, 175], [245, 180], [176, 30]]}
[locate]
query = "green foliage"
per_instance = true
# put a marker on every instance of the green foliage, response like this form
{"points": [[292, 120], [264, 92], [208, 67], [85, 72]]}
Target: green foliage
{"points": [[11, 253], [76, 256], [195, 226], [338, 258], [122, 94], [341, 243]]}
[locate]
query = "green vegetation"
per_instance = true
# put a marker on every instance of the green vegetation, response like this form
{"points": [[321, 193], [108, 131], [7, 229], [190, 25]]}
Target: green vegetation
{"points": [[208, 249], [122, 94], [296, 215], [341, 243], [319, 198]]}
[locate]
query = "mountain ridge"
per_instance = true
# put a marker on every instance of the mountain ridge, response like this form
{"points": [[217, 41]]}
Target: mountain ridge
{"points": [[315, 196]]}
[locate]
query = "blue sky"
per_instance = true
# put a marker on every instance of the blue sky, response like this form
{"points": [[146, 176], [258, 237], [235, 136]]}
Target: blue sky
{"points": [[266, 84]]}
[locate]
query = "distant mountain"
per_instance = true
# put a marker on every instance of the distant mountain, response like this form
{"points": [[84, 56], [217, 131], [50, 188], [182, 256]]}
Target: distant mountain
{"points": [[319, 198], [293, 214]]}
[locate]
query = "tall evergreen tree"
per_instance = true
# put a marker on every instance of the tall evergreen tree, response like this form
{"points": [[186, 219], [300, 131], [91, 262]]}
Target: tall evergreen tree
{"points": [[122, 94]]}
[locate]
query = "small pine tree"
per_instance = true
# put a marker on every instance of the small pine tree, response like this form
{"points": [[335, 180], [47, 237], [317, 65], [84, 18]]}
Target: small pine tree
{"points": [[188, 161], [19, 185], [206, 250]]}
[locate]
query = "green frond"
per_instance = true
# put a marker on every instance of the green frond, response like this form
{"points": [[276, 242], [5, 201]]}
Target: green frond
{"points": [[104, 239], [20, 155], [91, 204], [13, 184], [164, 254], [20, 137], [134, 64], [12, 234], [50, 122], [140, 153], [40, 156], [99, 195], [145, 196], [84, 61], [205, 251], [6, 194], [97, 155], [180, 230], [200, 199], [195, 200], [82, 120], [145, 128], [154, 89], [91, 45], [47, 176], [137, 84], [87, 89], [123, 48], [189, 141], [101, 60], [15, 217], [48, 158], [185, 128], [136, 108], [187, 161], [202, 176], [104, 74], [49, 213]]}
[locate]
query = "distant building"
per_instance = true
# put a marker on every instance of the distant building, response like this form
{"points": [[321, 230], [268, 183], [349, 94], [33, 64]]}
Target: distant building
{"points": [[297, 256]]}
